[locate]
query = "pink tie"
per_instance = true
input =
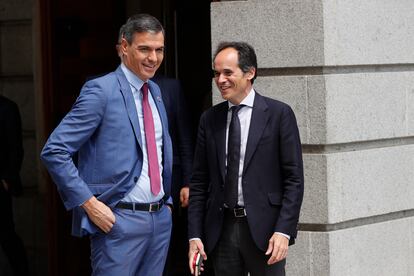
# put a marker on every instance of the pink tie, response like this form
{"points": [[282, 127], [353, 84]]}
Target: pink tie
{"points": [[153, 167]]}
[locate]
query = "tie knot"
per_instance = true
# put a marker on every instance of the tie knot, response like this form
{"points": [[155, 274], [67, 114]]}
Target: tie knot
{"points": [[144, 88], [236, 108]]}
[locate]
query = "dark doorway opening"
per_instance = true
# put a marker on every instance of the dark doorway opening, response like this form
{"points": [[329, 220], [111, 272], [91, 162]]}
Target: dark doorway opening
{"points": [[79, 40]]}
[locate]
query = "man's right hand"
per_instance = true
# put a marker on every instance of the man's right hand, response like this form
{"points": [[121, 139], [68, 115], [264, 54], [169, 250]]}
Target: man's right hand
{"points": [[100, 214], [196, 246]]}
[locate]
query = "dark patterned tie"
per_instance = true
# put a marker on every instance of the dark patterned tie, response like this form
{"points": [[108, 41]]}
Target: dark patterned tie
{"points": [[233, 159], [153, 166]]}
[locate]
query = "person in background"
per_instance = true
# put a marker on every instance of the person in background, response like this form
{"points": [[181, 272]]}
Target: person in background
{"points": [[120, 190], [182, 142], [247, 185], [11, 158]]}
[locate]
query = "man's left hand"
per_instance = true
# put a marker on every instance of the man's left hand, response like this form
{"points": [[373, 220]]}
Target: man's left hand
{"points": [[184, 195], [5, 185], [278, 248]]}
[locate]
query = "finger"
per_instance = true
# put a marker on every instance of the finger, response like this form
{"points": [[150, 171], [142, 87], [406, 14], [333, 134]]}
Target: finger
{"points": [[108, 227], [283, 254], [273, 258], [5, 185], [190, 262], [269, 247], [279, 255], [203, 254], [184, 203], [112, 217]]}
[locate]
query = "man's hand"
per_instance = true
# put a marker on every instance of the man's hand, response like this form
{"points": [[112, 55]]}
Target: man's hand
{"points": [[184, 195], [5, 185], [195, 247], [278, 247], [100, 214]]}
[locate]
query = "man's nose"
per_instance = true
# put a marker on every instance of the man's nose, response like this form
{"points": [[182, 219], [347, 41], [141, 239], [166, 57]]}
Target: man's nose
{"points": [[152, 55], [221, 78]]}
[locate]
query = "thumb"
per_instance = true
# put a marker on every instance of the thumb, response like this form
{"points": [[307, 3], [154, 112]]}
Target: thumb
{"points": [[270, 247], [203, 253]]}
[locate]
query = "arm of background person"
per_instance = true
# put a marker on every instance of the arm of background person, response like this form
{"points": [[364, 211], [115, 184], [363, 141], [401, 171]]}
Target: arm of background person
{"points": [[14, 145], [185, 143]]}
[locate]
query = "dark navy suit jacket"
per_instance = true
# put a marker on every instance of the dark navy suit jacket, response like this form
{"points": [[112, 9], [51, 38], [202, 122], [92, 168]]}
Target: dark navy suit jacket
{"points": [[11, 145], [179, 122], [272, 178]]}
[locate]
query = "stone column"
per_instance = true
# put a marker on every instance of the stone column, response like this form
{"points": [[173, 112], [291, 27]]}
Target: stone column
{"points": [[347, 70]]}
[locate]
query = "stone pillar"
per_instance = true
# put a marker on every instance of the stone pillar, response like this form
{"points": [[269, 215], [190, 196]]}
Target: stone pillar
{"points": [[347, 70]]}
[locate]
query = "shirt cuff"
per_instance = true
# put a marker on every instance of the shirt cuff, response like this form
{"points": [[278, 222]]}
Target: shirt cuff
{"points": [[194, 239], [284, 235]]}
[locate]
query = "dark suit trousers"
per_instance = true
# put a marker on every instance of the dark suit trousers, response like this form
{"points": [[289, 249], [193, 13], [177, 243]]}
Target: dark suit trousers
{"points": [[11, 244], [236, 254]]}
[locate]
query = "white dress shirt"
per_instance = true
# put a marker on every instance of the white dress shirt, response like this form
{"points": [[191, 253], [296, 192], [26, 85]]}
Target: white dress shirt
{"points": [[245, 116]]}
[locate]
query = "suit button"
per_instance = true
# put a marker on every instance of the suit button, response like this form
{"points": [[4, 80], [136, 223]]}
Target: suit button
{"points": [[220, 209], [135, 178]]}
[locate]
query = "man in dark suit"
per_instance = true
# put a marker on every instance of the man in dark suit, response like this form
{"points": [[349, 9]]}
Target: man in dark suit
{"points": [[247, 184], [182, 143], [11, 157]]}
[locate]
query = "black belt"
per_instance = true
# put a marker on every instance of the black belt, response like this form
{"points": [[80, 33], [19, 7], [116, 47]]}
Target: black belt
{"points": [[237, 212], [149, 207]]}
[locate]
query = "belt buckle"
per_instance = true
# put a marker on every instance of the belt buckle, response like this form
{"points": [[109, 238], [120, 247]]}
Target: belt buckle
{"points": [[154, 207], [239, 212]]}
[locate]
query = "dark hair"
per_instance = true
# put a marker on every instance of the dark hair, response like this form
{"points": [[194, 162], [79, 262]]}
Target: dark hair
{"points": [[246, 54], [139, 23], [121, 34]]}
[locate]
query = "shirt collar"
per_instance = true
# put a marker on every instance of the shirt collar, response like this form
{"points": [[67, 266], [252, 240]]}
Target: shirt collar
{"points": [[132, 78], [247, 101]]}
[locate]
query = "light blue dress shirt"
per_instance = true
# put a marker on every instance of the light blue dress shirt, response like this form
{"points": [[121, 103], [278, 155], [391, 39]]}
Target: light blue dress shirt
{"points": [[141, 193]]}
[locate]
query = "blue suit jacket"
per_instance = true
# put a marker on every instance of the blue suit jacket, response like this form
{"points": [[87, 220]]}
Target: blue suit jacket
{"points": [[103, 128]]}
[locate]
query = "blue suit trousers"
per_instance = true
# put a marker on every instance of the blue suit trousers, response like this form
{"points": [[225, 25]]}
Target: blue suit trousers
{"points": [[136, 245]]}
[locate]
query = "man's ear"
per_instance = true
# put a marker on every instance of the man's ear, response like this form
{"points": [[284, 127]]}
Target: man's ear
{"points": [[123, 46], [251, 73]]}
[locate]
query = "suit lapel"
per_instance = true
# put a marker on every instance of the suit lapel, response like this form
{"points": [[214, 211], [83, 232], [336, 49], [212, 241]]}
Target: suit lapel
{"points": [[130, 104], [258, 122], [220, 120]]}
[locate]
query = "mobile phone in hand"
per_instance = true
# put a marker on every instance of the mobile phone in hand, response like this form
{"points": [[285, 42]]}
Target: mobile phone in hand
{"points": [[197, 262]]}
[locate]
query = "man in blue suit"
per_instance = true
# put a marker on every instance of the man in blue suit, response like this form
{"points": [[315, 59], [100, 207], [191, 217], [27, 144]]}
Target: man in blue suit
{"points": [[121, 186]]}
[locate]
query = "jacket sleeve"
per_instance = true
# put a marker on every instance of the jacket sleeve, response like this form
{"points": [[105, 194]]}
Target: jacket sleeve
{"points": [[198, 185], [14, 146], [72, 132], [292, 171], [185, 139]]}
